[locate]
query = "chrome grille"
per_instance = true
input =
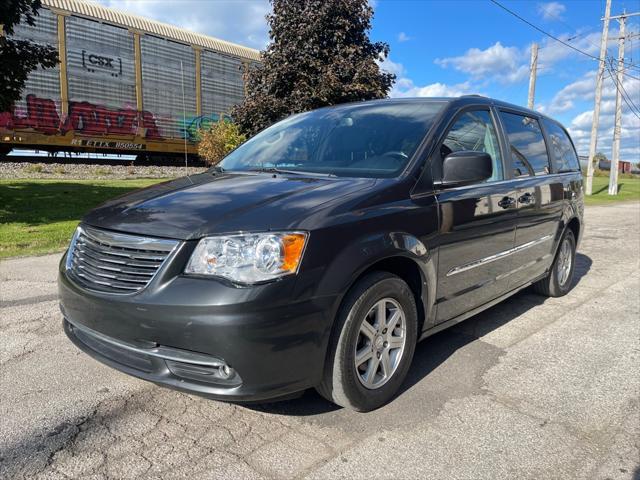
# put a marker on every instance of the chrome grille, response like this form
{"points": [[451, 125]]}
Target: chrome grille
{"points": [[114, 262]]}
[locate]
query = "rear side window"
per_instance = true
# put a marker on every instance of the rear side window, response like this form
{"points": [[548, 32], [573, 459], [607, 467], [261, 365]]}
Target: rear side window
{"points": [[563, 153], [528, 150]]}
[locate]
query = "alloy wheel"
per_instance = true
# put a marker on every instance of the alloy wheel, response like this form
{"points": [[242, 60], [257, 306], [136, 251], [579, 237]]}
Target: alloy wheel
{"points": [[381, 343], [565, 260]]}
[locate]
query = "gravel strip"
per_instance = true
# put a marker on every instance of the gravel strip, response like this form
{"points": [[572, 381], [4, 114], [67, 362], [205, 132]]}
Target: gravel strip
{"points": [[58, 171]]}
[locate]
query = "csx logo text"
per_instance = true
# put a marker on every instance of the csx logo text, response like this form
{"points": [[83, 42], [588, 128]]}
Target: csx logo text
{"points": [[100, 61]]}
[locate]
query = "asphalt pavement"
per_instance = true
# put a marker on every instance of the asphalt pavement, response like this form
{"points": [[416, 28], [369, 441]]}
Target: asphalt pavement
{"points": [[533, 388]]}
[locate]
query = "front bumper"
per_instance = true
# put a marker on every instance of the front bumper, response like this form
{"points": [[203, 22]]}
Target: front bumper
{"points": [[179, 332]]}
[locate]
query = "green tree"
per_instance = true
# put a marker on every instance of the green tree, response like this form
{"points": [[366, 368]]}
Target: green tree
{"points": [[19, 57], [319, 54], [600, 157], [218, 140]]}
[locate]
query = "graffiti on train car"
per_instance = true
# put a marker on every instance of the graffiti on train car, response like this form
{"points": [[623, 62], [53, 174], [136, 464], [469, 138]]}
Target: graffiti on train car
{"points": [[84, 117], [191, 126]]}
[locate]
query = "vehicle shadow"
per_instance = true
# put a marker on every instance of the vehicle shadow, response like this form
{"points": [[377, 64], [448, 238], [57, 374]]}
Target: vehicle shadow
{"points": [[433, 351]]}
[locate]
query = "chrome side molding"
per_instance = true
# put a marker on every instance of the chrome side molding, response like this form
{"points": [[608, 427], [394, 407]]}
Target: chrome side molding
{"points": [[497, 256]]}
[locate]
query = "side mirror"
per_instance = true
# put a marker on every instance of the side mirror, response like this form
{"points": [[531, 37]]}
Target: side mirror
{"points": [[465, 168]]}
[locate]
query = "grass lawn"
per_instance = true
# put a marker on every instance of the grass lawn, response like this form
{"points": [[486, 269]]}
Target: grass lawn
{"points": [[39, 216], [628, 189]]}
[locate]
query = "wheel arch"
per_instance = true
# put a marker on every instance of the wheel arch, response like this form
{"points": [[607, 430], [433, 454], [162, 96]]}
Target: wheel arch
{"points": [[575, 226], [408, 270]]}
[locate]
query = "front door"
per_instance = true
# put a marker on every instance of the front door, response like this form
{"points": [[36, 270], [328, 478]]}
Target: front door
{"points": [[477, 222]]}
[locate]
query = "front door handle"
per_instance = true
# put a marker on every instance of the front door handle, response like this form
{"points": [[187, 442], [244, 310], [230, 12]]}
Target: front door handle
{"points": [[527, 198], [569, 193], [507, 202]]}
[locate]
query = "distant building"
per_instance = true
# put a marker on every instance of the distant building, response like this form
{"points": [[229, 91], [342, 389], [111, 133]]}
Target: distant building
{"points": [[623, 167]]}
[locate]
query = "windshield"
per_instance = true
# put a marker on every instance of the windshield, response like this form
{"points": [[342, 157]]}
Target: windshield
{"points": [[361, 140]]}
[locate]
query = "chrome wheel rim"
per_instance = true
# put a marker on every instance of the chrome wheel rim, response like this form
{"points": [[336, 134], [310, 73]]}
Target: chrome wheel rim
{"points": [[381, 343], [565, 260]]}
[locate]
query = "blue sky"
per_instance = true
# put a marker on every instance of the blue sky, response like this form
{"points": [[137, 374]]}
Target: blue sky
{"points": [[448, 48]]}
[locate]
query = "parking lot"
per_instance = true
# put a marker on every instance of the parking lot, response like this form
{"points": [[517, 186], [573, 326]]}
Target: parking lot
{"points": [[532, 388]]}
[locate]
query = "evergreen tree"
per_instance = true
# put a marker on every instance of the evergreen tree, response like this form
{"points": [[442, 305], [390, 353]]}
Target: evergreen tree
{"points": [[319, 54]]}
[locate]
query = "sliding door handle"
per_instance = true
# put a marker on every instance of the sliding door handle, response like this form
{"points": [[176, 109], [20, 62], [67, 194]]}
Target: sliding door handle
{"points": [[507, 202], [527, 198]]}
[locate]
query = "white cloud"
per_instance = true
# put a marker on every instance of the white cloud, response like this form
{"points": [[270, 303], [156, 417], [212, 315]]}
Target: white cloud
{"points": [[583, 90], [552, 52], [406, 88], [403, 37], [510, 64], [580, 130], [239, 22], [504, 64], [580, 126], [392, 67], [551, 10]]}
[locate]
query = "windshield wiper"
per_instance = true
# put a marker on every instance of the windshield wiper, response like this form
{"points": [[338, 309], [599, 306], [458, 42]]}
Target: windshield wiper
{"points": [[292, 172], [273, 170]]}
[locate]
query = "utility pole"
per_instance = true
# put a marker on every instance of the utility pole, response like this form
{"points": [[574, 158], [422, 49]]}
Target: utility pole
{"points": [[615, 157], [532, 75], [596, 108]]}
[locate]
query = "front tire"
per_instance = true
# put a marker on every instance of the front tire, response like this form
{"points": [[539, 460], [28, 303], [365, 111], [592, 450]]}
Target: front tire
{"points": [[560, 278], [372, 345]]}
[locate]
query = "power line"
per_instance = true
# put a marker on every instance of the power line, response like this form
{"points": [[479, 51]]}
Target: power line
{"points": [[631, 76], [623, 92], [620, 88], [550, 13], [563, 42], [542, 31], [630, 37], [625, 95]]}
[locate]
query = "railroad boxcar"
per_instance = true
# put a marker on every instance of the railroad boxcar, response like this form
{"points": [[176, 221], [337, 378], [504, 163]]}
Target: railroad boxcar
{"points": [[124, 83]]}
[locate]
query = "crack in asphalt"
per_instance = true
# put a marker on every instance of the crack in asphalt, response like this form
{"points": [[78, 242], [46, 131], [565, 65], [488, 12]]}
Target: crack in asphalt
{"points": [[28, 301]]}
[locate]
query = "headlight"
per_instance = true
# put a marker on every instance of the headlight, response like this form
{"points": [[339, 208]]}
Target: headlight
{"points": [[248, 258]]}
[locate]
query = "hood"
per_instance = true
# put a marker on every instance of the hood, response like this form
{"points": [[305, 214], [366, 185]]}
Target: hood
{"points": [[199, 205]]}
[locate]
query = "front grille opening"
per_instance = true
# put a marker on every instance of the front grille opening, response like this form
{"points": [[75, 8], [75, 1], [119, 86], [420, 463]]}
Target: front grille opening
{"points": [[115, 263], [120, 355], [156, 362]]}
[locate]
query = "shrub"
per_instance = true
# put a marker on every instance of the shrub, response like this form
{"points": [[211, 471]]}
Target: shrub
{"points": [[218, 140], [34, 168]]}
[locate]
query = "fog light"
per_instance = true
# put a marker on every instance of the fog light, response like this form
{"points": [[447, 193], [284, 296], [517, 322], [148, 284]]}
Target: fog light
{"points": [[225, 371]]}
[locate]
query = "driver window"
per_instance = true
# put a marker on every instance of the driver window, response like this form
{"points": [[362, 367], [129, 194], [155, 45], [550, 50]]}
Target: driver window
{"points": [[475, 131]]}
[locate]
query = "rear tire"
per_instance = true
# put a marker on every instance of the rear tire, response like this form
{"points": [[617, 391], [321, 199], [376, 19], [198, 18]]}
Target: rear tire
{"points": [[372, 345], [560, 278]]}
